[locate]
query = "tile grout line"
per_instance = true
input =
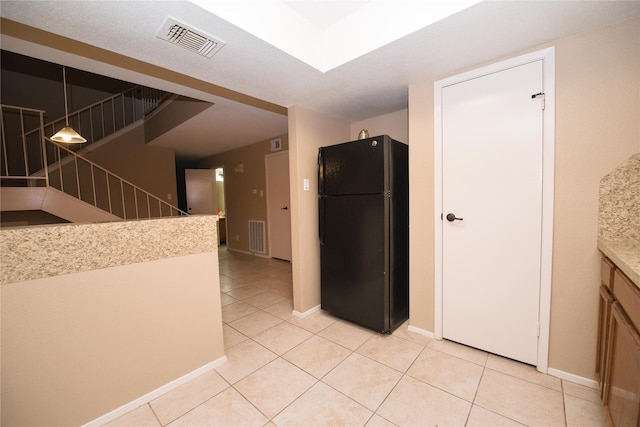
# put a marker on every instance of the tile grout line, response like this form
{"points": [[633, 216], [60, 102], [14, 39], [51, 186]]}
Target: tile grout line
{"points": [[475, 395], [564, 403]]}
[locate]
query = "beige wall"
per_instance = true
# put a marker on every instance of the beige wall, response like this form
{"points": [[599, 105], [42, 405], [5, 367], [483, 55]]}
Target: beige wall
{"points": [[597, 115], [395, 124], [242, 204], [308, 131], [79, 346], [151, 168], [421, 207]]}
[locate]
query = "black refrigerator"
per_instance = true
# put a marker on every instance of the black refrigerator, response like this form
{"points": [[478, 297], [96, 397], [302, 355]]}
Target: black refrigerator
{"points": [[363, 206]]}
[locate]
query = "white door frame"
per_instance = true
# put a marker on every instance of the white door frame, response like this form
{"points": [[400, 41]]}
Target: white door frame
{"points": [[548, 159]]}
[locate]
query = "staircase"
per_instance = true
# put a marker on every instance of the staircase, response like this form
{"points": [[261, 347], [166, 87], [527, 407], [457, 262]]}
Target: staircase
{"points": [[39, 174], [99, 120]]}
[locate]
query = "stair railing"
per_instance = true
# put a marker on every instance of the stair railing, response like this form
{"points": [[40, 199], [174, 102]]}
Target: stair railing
{"points": [[22, 161], [108, 116], [38, 161]]}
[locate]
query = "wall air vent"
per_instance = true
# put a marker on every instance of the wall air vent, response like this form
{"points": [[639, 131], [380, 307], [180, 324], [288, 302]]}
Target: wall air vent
{"points": [[188, 38]]}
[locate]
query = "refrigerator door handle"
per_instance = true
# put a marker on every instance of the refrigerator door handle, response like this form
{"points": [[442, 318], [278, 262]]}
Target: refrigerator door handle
{"points": [[321, 208], [320, 171]]}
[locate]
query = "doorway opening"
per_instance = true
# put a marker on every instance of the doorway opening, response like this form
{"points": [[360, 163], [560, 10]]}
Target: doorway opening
{"points": [[220, 205]]}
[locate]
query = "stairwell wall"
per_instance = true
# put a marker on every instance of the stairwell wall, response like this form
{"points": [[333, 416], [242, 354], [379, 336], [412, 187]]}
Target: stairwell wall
{"points": [[151, 168], [34, 83]]}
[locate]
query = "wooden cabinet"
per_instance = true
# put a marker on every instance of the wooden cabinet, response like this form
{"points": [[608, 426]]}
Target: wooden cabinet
{"points": [[618, 357], [607, 270], [604, 313], [622, 392]]}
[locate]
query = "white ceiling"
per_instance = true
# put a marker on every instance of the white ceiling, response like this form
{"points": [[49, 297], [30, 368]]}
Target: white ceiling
{"points": [[327, 34], [359, 83]]}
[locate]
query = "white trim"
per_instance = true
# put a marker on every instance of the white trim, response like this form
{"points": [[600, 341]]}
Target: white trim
{"points": [[142, 400], [260, 255], [237, 250], [437, 195], [548, 59], [548, 187], [422, 332], [573, 378], [306, 313], [246, 252]]}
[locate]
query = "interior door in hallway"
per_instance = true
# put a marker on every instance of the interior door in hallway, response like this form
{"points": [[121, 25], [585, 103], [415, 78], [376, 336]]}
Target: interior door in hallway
{"points": [[278, 207], [201, 188], [492, 141]]}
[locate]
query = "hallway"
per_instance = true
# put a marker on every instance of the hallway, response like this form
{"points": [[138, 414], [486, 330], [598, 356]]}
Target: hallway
{"points": [[320, 371]]}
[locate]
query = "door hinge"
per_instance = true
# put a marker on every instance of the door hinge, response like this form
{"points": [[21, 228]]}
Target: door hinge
{"points": [[541, 95], [538, 330]]}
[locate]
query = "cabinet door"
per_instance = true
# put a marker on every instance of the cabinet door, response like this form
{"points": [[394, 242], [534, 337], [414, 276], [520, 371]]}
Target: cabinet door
{"points": [[604, 311], [622, 391], [606, 272]]}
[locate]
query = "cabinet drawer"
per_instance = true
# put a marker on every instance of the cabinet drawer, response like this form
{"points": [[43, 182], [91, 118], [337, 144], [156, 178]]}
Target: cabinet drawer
{"points": [[606, 272], [628, 295]]}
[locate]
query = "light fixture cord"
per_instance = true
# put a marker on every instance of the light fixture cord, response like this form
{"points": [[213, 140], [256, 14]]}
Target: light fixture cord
{"points": [[64, 82]]}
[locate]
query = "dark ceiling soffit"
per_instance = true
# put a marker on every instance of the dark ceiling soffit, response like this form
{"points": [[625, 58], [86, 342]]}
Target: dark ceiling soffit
{"points": [[55, 41]]}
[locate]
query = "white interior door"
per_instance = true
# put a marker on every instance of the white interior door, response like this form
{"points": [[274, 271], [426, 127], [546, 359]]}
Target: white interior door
{"points": [[200, 186], [278, 206], [492, 159]]}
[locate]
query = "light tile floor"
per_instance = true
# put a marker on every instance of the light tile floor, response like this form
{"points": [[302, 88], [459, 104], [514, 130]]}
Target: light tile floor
{"points": [[321, 371]]}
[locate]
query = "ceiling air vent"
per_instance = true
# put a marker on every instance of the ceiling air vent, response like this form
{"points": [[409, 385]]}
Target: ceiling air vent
{"points": [[188, 38]]}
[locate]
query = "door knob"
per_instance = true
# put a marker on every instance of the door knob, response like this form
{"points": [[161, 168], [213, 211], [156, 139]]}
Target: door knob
{"points": [[452, 217], [286, 208]]}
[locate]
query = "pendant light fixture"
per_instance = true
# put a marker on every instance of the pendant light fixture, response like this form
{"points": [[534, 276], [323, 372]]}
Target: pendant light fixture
{"points": [[67, 134]]}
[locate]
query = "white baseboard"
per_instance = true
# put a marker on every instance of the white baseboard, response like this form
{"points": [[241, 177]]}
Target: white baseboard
{"points": [[260, 255], [572, 378], [142, 400], [306, 313], [553, 372], [239, 251], [248, 252], [419, 331]]}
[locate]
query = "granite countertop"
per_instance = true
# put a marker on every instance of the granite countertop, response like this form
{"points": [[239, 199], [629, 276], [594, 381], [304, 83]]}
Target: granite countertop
{"points": [[35, 252], [619, 217], [625, 254]]}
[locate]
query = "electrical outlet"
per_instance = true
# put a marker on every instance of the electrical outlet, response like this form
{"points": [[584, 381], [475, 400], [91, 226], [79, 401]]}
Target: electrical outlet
{"points": [[237, 238]]}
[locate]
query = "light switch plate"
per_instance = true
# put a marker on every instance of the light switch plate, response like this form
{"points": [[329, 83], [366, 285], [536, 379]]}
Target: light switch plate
{"points": [[305, 183]]}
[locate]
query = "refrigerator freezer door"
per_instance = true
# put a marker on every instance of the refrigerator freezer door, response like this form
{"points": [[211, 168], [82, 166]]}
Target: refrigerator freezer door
{"points": [[354, 259], [356, 167]]}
